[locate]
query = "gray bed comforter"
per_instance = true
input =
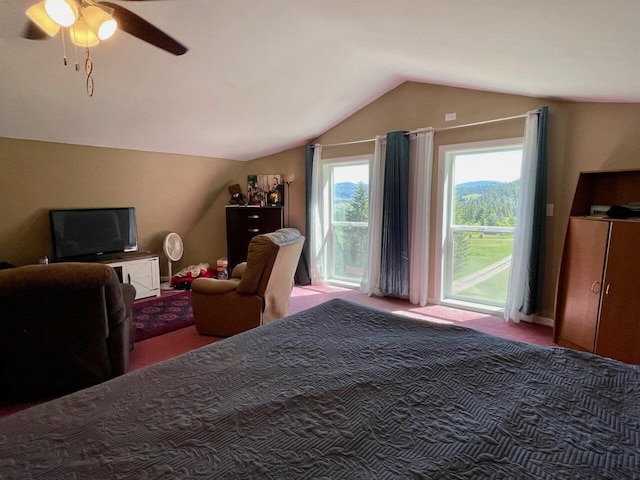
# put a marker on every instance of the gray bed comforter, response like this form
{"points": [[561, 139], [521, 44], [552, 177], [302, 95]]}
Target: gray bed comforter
{"points": [[342, 392]]}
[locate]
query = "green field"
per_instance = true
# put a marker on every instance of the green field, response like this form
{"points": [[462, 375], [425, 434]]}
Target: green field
{"points": [[492, 290], [482, 251]]}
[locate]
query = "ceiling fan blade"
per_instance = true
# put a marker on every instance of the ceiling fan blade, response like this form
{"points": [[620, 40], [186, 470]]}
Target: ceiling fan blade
{"points": [[32, 32], [138, 27]]}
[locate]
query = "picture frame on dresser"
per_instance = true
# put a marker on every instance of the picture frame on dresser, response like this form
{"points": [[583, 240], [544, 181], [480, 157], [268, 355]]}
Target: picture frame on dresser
{"points": [[265, 190]]}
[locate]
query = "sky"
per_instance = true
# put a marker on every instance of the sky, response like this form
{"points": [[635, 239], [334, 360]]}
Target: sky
{"points": [[494, 166], [352, 173]]}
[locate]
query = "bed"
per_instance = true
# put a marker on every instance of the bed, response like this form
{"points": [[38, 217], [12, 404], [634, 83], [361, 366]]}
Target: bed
{"points": [[341, 391]]}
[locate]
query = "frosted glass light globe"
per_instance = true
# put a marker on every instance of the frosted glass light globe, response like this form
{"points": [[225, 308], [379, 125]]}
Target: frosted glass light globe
{"points": [[63, 12]]}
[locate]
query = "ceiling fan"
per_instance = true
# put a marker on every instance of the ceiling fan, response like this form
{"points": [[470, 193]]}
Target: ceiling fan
{"points": [[127, 21]]}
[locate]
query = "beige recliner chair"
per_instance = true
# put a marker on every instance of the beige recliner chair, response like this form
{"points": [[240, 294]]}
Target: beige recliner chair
{"points": [[258, 291]]}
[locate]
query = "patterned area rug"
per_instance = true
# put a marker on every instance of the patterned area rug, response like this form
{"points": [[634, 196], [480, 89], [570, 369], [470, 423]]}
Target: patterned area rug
{"points": [[162, 314]]}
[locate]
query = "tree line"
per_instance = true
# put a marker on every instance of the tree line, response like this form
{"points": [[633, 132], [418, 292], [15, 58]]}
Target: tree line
{"points": [[487, 203]]}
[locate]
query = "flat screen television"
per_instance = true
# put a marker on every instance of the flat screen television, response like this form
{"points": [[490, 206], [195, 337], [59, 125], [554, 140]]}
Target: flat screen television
{"points": [[89, 233]]}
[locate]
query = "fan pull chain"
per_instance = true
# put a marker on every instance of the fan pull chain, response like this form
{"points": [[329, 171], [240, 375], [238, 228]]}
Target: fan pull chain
{"points": [[64, 49], [75, 49], [88, 68]]}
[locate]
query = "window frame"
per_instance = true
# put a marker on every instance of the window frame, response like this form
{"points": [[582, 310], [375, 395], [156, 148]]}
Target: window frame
{"points": [[443, 258], [328, 165]]}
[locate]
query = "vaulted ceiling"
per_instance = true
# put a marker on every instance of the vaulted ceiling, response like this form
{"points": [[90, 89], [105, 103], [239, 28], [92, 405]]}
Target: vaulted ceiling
{"points": [[267, 75]]}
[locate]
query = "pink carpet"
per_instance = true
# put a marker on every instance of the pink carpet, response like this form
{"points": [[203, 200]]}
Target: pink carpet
{"points": [[306, 297]]}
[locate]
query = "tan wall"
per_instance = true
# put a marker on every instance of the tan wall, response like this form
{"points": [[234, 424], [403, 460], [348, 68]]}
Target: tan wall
{"points": [[187, 194], [292, 162], [581, 136], [170, 192]]}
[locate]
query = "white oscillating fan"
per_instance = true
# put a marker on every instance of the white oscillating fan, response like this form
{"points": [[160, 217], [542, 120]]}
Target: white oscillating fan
{"points": [[173, 249]]}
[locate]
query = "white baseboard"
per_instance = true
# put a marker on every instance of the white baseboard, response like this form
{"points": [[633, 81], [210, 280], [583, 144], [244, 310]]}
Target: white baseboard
{"points": [[548, 322]]}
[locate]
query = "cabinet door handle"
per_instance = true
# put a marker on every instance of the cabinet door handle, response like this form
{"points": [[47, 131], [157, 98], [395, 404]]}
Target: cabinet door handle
{"points": [[593, 287], [129, 277], [253, 216], [606, 292], [254, 230]]}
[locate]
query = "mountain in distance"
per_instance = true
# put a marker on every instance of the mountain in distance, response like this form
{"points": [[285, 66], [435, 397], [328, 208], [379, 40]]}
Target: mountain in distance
{"points": [[345, 190], [478, 183], [487, 203], [469, 190]]}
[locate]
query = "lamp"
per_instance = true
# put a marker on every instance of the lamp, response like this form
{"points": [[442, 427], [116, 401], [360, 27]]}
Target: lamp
{"points": [[288, 178], [63, 12], [88, 23], [39, 16], [81, 35], [100, 22]]}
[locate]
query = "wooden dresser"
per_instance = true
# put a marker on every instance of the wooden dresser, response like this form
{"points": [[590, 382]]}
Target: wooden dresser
{"points": [[244, 223], [598, 292]]}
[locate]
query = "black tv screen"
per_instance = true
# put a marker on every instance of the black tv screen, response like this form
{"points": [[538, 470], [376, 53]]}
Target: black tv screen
{"points": [[91, 232]]}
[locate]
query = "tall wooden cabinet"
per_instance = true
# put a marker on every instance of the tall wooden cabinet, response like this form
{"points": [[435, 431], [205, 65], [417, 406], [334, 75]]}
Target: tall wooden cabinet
{"points": [[244, 223], [618, 334], [581, 283], [598, 296]]}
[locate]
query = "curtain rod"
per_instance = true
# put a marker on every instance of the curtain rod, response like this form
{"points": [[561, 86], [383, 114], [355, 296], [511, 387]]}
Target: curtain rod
{"points": [[431, 129]]}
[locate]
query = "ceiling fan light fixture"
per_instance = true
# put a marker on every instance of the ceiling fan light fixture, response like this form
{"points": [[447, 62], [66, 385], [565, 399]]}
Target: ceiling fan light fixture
{"points": [[39, 16], [63, 12], [81, 35], [89, 22], [100, 22]]}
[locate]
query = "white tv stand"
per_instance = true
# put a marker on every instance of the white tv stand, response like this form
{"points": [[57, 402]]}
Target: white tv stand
{"points": [[142, 270]]}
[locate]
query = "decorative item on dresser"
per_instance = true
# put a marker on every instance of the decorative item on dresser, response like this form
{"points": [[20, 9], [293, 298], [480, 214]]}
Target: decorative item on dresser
{"points": [[265, 190], [244, 223], [597, 306]]}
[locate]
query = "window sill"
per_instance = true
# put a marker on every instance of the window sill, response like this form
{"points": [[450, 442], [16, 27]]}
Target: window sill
{"points": [[474, 307]]}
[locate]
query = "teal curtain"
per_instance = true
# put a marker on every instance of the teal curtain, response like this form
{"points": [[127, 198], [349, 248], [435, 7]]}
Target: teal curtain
{"points": [[302, 276], [394, 271], [532, 302]]}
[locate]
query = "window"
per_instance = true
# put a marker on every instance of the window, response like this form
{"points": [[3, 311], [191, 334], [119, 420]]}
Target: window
{"points": [[348, 204], [479, 185]]}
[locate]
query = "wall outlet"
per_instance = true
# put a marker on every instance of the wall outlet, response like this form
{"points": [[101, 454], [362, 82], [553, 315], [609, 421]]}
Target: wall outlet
{"points": [[550, 207], [449, 117]]}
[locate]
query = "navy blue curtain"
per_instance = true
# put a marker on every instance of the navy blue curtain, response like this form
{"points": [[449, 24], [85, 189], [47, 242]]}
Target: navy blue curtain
{"points": [[394, 269], [303, 276], [532, 302]]}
